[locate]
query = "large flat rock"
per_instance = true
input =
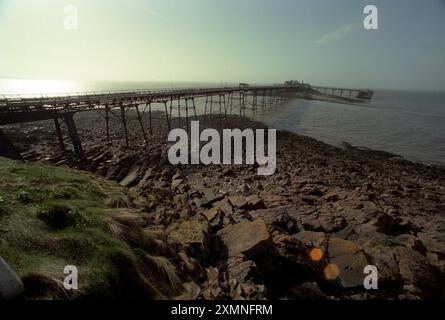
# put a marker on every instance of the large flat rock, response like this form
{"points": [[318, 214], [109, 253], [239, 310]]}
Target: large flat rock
{"points": [[250, 238], [350, 261]]}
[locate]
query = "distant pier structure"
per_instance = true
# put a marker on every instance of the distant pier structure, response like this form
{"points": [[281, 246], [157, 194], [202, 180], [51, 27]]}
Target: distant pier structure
{"points": [[365, 94]]}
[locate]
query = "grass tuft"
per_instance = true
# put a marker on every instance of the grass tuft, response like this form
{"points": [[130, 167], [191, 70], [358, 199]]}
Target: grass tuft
{"points": [[51, 217]]}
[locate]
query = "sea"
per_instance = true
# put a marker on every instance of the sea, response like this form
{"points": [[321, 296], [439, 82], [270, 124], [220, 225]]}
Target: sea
{"points": [[407, 123]]}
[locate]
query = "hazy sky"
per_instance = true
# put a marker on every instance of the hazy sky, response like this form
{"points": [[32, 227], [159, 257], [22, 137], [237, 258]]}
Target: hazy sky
{"points": [[321, 42]]}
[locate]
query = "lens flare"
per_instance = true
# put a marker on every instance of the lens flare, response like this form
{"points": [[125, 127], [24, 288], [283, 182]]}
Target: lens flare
{"points": [[316, 254], [331, 271]]}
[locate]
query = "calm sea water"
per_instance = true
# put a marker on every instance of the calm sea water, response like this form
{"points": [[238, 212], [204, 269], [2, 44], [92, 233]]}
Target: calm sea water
{"points": [[38, 87], [408, 123]]}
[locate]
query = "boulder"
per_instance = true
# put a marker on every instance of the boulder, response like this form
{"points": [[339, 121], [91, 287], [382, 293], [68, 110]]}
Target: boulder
{"points": [[192, 235], [415, 270], [224, 206], [238, 201], [242, 270], [410, 242], [252, 202], [209, 195], [244, 279], [113, 171], [132, 177], [339, 247], [252, 291], [360, 233], [331, 224], [385, 260], [312, 239], [279, 217], [176, 183], [146, 178], [212, 213], [435, 260], [211, 289], [10, 284], [394, 226], [215, 218], [325, 219], [274, 199], [350, 261], [292, 249], [250, 238]]}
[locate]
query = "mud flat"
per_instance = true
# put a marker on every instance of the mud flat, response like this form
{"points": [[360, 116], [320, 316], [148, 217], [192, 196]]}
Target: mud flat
{"points": [[231, 234]]}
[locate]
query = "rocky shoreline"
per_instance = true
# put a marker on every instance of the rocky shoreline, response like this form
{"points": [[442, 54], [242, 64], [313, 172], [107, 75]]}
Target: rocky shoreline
{"points": [[307, 232]]}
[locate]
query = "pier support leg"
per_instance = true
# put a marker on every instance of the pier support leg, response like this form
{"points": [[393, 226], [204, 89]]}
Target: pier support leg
{"points": [[150, 119], [124, 122], [254, 103], [74, 136], [171, 109], [59, 134], [166, 115], [242, 108], [194, 109], [187, 122], [240, 104], [141, 124], [220, 109], [225, 106], [263, 101], [179, 112], [107, 121], [205, 107]]}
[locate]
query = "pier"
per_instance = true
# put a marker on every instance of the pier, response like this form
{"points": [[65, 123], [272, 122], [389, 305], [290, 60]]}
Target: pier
{"points": [[345, 92], [179, 104]]}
